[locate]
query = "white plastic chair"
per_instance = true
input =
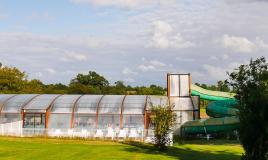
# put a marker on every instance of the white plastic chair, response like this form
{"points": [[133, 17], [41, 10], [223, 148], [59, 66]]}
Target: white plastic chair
{"points": [[133, 133], [99, 133], [84, 133], [122, 134], [70, 133], [110, 133], [149, 140], [58, 132]]}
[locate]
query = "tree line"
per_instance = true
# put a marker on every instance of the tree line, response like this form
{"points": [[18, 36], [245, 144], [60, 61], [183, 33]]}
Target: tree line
{"points": [[13, 80]]}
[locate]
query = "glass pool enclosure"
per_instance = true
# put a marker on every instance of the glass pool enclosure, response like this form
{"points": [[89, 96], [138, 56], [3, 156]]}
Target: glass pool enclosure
{"points": [[95, 115], [54, 111]]}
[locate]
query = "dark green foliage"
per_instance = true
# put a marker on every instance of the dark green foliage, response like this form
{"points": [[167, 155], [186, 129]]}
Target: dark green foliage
{"points": [[250, 82], [57, 88], [91, 79], [12, 80], [77, 88], [163, 119], [221, 86]]}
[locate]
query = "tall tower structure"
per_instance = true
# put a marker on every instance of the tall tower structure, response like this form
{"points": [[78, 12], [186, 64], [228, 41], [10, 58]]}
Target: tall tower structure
{"points": [[184, 105]]}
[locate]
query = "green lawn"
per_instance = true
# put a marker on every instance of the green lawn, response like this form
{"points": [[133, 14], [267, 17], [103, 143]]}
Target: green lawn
{"points": [[64, 149]]}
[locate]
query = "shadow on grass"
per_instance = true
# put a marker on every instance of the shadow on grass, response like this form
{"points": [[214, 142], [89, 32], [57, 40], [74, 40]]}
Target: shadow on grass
{"points": [[181, 153]]}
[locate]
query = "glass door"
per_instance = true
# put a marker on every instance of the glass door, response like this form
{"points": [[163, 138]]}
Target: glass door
{"points": [[34, 120]]}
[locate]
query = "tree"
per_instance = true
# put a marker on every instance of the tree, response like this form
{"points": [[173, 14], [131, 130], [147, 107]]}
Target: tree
{"points": [[119, 88], [223, 86], [57, 88], [33, 86], [91, 79], [163, 119], [78, 88], [12, 80], [250, 82]]}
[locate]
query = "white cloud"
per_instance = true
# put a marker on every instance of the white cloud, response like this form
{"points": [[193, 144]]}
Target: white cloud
{"points": [[220, 73], [153, 65], [50, 70], [220, 57], [213, 57], [157, 63], [123, 3], [261, 43], [72, 56], [225, 56], [127, 71], [130, 80], [237, 44], [38, 75], [146, 68], [164, 37], [185, 59], [242, 44], [40, 16], [29, 40]]}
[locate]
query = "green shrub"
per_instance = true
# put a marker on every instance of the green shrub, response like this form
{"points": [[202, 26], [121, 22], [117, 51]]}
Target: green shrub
{"points": [[163, 119]]}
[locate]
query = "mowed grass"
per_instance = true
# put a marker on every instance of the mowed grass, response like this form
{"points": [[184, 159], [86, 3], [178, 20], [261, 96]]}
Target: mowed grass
{"points": [[66, 149]]}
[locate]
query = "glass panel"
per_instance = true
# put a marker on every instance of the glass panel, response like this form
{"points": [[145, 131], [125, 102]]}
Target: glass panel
{"points": [[174, 85], [85, 121], [10, 117], [88, 104], [196, 102], [64, 104], [106, 121], [59, 121], [111, 104], [134, 104], [4, 97], [157, 101], [133, 121], [29, 121], [41, 102], [61, 111], [40, 121], [184, 85], [14, 104], [182, 103], [34, 120]]}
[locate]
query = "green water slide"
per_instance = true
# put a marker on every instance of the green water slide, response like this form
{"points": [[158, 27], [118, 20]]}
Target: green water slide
{"points": [[221, 109]]}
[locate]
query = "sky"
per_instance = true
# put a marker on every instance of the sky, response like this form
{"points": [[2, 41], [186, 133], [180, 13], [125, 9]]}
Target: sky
{"points": [[136, 41]]}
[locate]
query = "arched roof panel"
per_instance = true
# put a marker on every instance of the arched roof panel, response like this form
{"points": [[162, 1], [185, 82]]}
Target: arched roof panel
{"points": [[111, 104], [40, 103], [64, 104], [134, 104], [88, 104], [15, 104]]}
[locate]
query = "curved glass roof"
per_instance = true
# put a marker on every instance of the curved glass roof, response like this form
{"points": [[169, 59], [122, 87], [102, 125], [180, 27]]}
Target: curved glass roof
{"points": [[40, 103], [157, 101], [4, 97], [88, 104], [64, 104], [15, 104], [134, 104], [111, 104]]}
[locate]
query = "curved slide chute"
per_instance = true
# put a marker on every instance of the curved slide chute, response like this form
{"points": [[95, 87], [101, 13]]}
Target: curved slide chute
{"points": [[222, 109]]}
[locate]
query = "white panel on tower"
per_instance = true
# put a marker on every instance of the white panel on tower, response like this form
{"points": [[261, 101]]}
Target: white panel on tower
{"points": [[184, 85], [174, 85], [182, 103]]}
